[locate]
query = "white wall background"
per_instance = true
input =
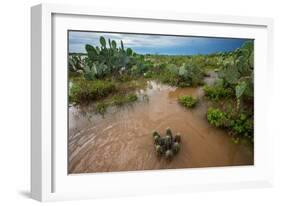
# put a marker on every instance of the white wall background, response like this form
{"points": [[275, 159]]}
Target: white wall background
{"points": [[15, 100]]}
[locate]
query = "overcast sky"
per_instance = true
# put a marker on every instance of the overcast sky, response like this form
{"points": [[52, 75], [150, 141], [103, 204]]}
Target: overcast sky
{"points": [[155, 44]]}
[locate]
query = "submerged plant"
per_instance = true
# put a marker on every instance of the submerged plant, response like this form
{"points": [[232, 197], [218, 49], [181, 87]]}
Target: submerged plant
{"points": [[167, 145], [121, 99], [101, 107], [188, 101]]}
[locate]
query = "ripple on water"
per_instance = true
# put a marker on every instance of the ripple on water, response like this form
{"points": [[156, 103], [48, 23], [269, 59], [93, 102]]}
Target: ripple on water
{"points": [[121, 140]]}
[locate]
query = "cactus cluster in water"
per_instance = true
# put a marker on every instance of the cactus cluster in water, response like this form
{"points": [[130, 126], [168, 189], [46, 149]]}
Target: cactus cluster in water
{"points": [[167, 145]]}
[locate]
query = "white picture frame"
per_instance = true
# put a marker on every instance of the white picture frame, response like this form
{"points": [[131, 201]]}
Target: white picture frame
{"points": [[49, 178]]}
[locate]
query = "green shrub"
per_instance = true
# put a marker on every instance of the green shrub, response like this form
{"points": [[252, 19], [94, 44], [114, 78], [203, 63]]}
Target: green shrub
{"points": [[141, 68], [239, 125], [242, 125], [148, 74], [216, 117], [217, 92], [191, 73], [85, 91], [124, 78], [188, 101], [168, 77]]}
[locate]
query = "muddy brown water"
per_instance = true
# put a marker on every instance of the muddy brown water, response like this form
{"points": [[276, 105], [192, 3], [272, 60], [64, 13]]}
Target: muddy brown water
{"points": [[121, 140]]}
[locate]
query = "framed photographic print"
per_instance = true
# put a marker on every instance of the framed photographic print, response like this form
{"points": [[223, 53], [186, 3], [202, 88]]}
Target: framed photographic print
{"points": [[135, 102]]}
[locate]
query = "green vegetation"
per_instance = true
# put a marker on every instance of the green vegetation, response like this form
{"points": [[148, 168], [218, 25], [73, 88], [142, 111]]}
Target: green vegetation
{"points": [[120, 100], [109, 70], [234, 83], [107, 61], [216, 117], [168, 145], [110, 74], [239, 125], [188, 74], [242, 125], [217, 92], [188, 101], [84, 91], [101, 107]]}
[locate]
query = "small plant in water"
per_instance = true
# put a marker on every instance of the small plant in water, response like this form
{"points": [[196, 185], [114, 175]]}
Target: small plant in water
{"points": [[122, 99], [188, 101], [101, 107], [168, 145]]}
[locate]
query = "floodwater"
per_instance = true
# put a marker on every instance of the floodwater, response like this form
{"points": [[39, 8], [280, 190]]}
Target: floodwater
{"points": [[121, 140]]}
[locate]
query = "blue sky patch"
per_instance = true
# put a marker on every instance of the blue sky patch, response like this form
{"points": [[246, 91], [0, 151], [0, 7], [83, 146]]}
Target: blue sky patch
{"points": [[156, 44]]}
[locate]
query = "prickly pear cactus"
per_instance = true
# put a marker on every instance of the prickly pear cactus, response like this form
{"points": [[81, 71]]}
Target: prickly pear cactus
{"points": [[167, 145], [102, 41]]}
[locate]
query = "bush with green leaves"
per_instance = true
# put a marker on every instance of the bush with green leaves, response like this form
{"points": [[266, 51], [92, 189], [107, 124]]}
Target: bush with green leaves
{"points": [[148, 74], [216, 117], [238, 125], [191, 74], [188, 74], [84, 91], [242, 125], [217, 92], [168, 77], [188, 101], [141, 68]]}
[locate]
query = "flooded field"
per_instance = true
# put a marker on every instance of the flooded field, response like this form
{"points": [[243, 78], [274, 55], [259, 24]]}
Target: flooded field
{"points": [[121, 140]]}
